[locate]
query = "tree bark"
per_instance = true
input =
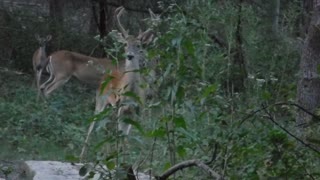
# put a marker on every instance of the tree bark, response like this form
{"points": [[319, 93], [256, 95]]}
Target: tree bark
{"points": [[102, 18], [238, 70], [308, 90], [56, 10], [275, 17], [93, 19], [307, 6], [56, 17]]}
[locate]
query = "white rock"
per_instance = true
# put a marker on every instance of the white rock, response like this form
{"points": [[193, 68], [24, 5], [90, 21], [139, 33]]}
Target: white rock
{"points": [[54, 170]]}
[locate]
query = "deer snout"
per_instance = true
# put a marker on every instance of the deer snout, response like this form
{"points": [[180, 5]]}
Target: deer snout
{"points": [[130, 56]]}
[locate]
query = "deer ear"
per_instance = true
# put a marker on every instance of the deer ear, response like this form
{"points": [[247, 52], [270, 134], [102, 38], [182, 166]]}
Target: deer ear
{"points": [[146, 37], [49, 37]]}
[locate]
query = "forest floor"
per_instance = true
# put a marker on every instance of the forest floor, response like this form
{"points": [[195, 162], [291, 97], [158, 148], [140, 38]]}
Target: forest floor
{"points": [[44, 130]]}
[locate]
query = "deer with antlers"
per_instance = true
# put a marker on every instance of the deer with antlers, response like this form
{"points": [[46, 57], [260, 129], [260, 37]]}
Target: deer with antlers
{"points": [[123, 80], [40, 59]]}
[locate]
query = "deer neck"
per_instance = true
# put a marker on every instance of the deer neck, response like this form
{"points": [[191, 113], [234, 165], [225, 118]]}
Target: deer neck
{"points": [[132, 65], [42, 51], [131, 75]]}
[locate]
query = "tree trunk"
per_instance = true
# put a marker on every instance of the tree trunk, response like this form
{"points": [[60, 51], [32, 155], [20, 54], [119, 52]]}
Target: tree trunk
{"points": [[102, 19], [56, 10], [93, 19], [56, 17], [307, 6], [238, 70], [275, 17], [308, 90]]}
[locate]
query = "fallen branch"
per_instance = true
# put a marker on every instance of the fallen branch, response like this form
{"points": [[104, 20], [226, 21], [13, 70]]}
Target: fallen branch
{"points": [[186, 164]]}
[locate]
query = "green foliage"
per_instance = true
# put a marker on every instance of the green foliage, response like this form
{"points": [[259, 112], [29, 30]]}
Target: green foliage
{"points": [[41, 130], [193, 109]]}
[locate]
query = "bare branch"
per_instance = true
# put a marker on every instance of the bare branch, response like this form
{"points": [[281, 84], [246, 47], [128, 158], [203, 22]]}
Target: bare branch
{"points": [[269, 117], [186, 164], [264, 109], [214, 155]]}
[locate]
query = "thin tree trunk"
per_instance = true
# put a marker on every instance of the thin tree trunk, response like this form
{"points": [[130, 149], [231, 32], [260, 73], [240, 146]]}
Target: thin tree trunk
{"points": [[93, 19], [239, 72], [56, 10], [56, 16], [102, 18], [307, 6], [275, 18], [308, 90]]}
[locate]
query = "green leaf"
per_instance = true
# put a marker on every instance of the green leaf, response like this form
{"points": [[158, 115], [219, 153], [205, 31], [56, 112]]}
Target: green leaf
{"points": [[71, 158], [91, 175], [83, 170], [160, 132], [133, 96], [318, 68], [180, 93], [105, 82], [188, 134], [134, 123], [188, 45], [112, 155], [266, 95], [101, 115], [100, 144], [181, 151], [110, 165], [277, 136], [167, 165], [180, 122], [209, 90]]}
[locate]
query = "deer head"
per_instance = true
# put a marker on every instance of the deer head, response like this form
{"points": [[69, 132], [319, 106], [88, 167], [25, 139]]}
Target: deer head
{"points": [[43, 40], [133, 48]]}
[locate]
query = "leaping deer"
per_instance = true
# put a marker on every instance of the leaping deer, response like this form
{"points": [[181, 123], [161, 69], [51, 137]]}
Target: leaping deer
{"points": [[39, 60], [123, 79]]}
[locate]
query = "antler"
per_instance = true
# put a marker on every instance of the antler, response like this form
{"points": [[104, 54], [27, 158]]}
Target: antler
{"points": [[153, 16], [146, 37], [119, 11]]}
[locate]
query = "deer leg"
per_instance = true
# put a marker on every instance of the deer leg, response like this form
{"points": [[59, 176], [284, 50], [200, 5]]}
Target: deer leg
{"points": [[51, 77], [34, 82], [84, 148], [38, 79], [125, 128], [56, 83], [101, 103]]}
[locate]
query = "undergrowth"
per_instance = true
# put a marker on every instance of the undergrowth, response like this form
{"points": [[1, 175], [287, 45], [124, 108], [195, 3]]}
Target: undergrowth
{"points": [[193, 111]]}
